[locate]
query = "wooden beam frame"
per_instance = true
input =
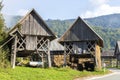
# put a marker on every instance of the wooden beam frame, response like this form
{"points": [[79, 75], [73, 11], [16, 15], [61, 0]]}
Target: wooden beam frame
{"points": [[44, 45], [20, 42], [68, 49]]}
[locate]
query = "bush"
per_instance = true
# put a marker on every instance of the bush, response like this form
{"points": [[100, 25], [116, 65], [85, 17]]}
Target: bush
{"points": [[4, 62]]}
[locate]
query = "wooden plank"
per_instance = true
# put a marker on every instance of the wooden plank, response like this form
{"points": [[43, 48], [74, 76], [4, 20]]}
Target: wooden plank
{"points": [[31, 42]]}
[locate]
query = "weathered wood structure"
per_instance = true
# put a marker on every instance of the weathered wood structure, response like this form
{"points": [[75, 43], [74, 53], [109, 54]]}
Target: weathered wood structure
{"points": [[80, 41], [108, 58], [117, 53], [30, 36], [57, 53]]}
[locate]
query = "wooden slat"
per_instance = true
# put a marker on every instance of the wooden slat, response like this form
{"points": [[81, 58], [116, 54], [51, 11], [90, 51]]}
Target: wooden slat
{"points": [[31, 42]]}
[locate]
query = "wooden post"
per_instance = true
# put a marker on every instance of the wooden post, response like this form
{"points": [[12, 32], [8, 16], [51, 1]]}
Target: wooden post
{"points": [[111, 62], [14, 53], [98, 57], [43, 60], [49, 58], [65, 55], [11, 58], [117, 63]]}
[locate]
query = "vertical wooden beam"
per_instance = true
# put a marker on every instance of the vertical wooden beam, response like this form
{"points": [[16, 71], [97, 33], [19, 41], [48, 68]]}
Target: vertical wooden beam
{"points": [[49, 58], [14, 52], [98, 57], [43, 60], [111, 62], [117, 62], [65, 56], [11, 58]]}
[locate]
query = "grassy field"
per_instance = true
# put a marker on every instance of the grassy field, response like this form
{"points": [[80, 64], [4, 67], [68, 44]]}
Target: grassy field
{"points": [[27, 73]]}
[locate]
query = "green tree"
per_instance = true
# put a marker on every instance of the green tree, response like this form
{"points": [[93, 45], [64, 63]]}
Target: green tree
{"points": [[3, 51]]}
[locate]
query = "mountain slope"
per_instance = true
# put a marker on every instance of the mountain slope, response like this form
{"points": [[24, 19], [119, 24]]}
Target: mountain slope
{"points": [[111, 21]]}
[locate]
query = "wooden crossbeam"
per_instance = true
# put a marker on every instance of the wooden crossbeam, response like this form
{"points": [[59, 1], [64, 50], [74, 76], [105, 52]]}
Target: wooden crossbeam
{"points": [[38, 41], [92, 46], [43, 46], [21, 47], [44, 43], [67, 48]]}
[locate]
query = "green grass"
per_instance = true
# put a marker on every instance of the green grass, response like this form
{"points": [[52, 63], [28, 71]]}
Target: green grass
{"points": [[27, 73]]}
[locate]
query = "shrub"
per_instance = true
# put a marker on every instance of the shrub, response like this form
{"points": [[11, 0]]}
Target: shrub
{"points": [[4, 62]]}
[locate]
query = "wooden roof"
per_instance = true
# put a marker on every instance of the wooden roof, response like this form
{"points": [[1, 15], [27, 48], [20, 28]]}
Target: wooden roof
{"points": [[108, 53], [56, 46], [117, 48], [80, 31], [32, 24]]}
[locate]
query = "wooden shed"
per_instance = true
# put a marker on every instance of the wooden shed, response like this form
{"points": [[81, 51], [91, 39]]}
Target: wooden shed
{"points": [[117, 53], [108, 58], [81, 43], [57, 53], [30, 36]]}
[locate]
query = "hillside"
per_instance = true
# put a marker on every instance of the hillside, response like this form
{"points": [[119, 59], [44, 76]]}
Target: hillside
{"points": [[108, 27], [110, 21]]}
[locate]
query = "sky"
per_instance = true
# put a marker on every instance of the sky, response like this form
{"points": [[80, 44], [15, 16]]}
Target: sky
{"points": [[62, 9]]}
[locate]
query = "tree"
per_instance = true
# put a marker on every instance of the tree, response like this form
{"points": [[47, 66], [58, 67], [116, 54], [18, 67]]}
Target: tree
{"points": [[3, 51]]}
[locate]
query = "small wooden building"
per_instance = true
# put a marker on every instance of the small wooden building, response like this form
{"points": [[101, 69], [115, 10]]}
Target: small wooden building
{"points": [[117, 53], [57, 53], [108, 58], [81, 43], [30, 36]]}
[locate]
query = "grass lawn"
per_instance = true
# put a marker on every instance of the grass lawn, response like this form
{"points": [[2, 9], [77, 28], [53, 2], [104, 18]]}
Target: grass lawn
{"points": [[27, 73]]}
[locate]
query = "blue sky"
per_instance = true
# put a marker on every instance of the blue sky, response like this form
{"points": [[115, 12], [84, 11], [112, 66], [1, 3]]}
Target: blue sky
{"points": [[62, 9]]}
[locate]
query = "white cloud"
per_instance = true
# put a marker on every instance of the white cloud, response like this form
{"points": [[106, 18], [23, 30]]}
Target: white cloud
{"points": [[22, 12], [98, 2], [102, 9]]}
